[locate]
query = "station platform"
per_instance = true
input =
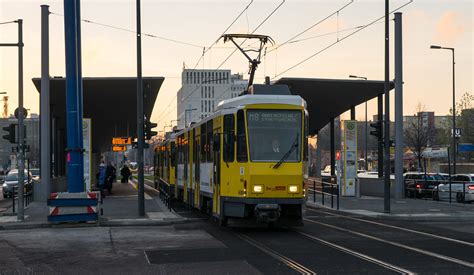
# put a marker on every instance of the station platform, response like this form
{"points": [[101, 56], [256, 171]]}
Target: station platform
{"points": [[403, 209], [119, 209]]}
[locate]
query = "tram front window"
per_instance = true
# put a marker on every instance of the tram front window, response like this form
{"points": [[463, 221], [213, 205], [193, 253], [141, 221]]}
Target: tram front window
{"points": [[272, 133]]}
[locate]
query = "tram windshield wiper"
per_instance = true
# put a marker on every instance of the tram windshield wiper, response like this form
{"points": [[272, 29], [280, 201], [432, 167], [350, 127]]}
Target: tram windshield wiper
{"points": [[288, 153]]}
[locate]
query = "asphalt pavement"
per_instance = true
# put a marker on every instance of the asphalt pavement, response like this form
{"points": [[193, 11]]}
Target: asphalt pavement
{"points": [[330, 242]]}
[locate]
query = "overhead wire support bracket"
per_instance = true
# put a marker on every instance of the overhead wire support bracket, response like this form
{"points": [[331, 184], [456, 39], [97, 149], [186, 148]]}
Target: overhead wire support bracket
{"points": [[264, 39]]}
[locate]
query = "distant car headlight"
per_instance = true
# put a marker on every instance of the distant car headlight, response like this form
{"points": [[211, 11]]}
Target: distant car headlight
{"points": [[293, 188], [257, 188], [4, 185]]}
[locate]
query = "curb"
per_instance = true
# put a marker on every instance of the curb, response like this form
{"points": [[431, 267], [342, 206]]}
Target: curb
{"points": [[143, 222], [101, 223], [397, 217]]}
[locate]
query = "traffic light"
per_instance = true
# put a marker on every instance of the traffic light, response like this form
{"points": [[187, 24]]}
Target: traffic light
{"points": [[148, 132], [377, 129], [11, 136]]}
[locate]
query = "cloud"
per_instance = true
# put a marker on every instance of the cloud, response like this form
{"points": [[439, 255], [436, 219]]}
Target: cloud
{"points": [[449, 28]]}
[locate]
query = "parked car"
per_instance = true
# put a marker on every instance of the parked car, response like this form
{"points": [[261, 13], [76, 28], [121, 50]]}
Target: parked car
{"points": [[420, 184], [458, 183], [10, 185]]}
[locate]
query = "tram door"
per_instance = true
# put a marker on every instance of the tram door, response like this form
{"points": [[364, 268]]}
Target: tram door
{"points": [[216, 148], [185, 153]]}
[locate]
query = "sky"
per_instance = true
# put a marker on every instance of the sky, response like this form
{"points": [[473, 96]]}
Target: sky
{"points": [[111, 52]]}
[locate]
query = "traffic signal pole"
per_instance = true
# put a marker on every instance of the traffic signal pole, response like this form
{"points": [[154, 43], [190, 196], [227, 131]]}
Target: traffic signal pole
{"points": [[387, 114], [21, 113], [21, 129], [140, 118]]}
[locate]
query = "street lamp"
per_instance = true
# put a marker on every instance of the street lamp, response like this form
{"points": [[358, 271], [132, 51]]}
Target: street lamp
{"points": [[366, 166], [435, 47], [174, 120]]}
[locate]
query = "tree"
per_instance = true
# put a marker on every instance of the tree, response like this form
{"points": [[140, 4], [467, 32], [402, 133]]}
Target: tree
{"points": [[418, 135]]}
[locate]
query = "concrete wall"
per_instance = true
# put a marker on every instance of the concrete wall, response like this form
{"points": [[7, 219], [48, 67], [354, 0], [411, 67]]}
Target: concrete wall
{"points": [[374, 187]]}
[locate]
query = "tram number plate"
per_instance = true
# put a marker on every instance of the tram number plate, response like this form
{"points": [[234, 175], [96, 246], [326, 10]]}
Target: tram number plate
{"points": [[276, 188]]}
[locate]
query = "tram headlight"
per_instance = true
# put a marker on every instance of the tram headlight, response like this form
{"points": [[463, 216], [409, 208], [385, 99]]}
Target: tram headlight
{"points": [[257, 188], [293, 188]]}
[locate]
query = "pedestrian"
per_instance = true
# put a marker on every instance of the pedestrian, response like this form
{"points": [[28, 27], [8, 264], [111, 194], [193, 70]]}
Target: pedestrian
{"points": [[110, 177], [101, 178], [125, 173]]}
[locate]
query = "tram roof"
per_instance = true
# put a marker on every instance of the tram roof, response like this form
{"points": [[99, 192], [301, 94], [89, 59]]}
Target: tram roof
{"points": [[110, 102], [329, 98], [260, 99]]}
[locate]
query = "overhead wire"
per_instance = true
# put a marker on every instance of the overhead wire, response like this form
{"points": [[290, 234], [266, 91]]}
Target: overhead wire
{"points": [[132, 31], [255, 29], [340, 40], [228, 27], [311, 27], [205, 50]]}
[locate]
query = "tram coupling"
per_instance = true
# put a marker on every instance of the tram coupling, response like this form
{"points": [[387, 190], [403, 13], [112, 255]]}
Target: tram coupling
{"points": [[266, 213]]}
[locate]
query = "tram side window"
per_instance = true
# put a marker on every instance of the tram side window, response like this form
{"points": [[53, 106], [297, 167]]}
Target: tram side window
{"points": [[209, 154], [203, 143], [196, 158], [241, 138], [306, 133], [173, 154], [229, 138]]}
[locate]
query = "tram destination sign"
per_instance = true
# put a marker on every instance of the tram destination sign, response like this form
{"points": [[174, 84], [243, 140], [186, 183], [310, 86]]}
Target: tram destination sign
{"points": [[290, 119], [121, 140]]}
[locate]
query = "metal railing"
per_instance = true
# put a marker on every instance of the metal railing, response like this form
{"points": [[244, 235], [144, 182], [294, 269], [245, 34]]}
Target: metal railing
{"points": [[423, 189], [28, 197], [165, 193], [326, 188]]}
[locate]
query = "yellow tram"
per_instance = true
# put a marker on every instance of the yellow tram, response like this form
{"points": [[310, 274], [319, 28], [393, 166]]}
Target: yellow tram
{"points": [[245, 161]]}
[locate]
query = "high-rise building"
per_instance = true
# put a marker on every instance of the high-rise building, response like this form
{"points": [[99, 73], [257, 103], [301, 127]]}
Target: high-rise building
{"points": [[202, 90]]}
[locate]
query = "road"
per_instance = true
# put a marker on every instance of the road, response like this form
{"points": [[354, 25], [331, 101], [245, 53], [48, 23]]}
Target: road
{"points": [[328, 243]]}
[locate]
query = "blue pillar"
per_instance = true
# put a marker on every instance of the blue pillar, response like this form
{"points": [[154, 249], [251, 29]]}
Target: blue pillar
{"points": [[74, 158]]}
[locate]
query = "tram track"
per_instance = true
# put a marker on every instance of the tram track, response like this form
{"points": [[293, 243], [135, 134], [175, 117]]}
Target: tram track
{"points": [[392, 227], [276, 255], [365, 257], [396, 244]]}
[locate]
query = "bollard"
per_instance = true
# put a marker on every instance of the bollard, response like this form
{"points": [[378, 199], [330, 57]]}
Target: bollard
{"points": [[337, 198], [332, 195], [13, 200], [464, 193], [314, 191], [322, 192]]}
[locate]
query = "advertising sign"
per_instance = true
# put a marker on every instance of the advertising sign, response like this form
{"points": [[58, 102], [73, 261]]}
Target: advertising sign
{"points": [[349, 160], [86, 141]]}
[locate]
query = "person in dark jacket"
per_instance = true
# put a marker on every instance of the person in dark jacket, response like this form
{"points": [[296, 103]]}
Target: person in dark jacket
{"points": [[102, 179], [110, 176], [125, 173]]}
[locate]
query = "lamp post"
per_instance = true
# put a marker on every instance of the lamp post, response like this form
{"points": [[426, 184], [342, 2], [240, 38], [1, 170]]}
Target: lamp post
{"points": [[434, 47], [174, 120], [366, 166]]}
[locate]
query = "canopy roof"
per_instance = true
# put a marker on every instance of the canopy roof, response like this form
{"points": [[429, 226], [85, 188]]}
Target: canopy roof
{"points": [[110, 102], [329, 98]]}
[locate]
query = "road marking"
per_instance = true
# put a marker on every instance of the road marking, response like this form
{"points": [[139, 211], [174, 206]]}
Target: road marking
{"points": [[401, 228], [431, 254], [357, 254], [146, 257], [287, 261]]}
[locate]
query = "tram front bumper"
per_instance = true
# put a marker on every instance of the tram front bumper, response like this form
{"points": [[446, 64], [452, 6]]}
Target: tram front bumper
{"points": [[266, 213]]}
